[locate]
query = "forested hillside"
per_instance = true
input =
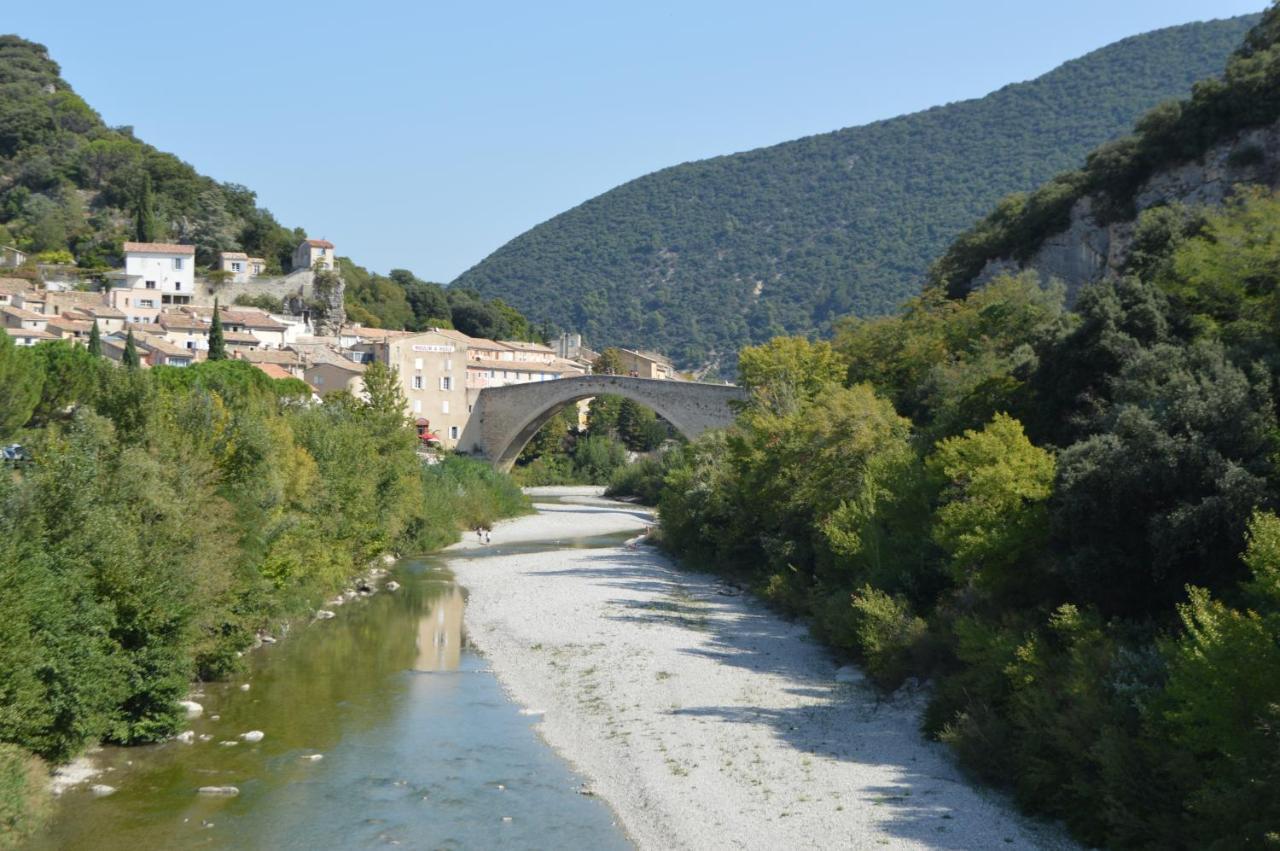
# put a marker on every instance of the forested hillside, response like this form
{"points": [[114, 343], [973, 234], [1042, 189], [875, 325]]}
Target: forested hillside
{"points": [[1064, 521], [701, 258]]}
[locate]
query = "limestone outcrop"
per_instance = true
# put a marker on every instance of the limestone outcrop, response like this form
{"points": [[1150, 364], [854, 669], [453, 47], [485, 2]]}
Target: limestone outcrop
{"points": [[1090, 250]]}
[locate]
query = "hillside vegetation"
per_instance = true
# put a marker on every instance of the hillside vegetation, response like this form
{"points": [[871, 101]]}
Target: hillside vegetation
{"points": [[74, 189], [1063, 520], [1247, 95], [701, 258]]}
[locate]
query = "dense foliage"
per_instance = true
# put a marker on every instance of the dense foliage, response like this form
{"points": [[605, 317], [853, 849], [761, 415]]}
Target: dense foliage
{"points": [[169, 515], [401, 300], [1247, 95], [1063, 520], [73, 189], [699, 259]]}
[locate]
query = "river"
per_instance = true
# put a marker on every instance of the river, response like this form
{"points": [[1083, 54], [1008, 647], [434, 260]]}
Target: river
{"points": [[418, 747]]}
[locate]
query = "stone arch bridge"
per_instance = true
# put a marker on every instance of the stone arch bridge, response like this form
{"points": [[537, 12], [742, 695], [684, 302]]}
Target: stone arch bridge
{"points": [[504, 419]]}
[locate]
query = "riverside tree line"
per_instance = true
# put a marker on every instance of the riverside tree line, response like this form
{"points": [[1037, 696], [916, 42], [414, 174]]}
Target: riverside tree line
{"points": [[169, 515], [1064, 520]]}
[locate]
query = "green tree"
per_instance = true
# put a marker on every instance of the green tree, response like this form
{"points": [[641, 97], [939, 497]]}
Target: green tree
{"points": [[145, 226], [70, 378], [217, 343], [788, 371], [130, 358], [608, 362], [382, 387], [95, 340], [20, 384], [993, 518]]}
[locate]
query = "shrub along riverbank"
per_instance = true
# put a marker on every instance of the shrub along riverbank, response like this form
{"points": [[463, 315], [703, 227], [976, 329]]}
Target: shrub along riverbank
{"points": [[1063, 520], [169, 515]]}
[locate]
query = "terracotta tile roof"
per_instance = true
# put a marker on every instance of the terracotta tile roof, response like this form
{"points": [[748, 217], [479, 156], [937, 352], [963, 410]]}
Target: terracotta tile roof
{"points": [[102, 310], [29, 333], [158, 248], [180, 322], [13, 286], [273, 370], [240, 337], [163, 346], [318, 243], [526, 347], [25, 315], [517, 366], [275, 356], [74, 326]]}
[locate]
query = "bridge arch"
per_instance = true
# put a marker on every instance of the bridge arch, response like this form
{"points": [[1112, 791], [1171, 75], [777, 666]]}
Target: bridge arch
{"points": [[504, 419]]}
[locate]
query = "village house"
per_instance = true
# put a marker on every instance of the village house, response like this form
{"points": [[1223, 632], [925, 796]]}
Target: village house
{"points": [[266, 330], [432, 368], [109, 319], [164, 269], [184, 330], [240, 266], [11, 288], [28, 336], [312, 251], [35, 301], [67, 328], [283, 360], [23, 320], [329, 372], [158, 351], [646, 364], [11, 257], [58, 302]]}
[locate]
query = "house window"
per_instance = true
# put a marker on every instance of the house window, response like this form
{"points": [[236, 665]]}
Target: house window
{"points": [[417, 382], [444, 406], [446, 383], [448, 363], [417, 406], [177, 262], [417, 363], [453, 432], [144, 302], [235, 266], [151, 285]]}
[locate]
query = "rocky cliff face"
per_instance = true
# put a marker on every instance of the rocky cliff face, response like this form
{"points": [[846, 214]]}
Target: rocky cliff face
{"points": [[1088, 250]]}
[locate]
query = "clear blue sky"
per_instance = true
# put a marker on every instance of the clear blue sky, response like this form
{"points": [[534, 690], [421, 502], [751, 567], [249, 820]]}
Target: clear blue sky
{"points": [[423, 135]]}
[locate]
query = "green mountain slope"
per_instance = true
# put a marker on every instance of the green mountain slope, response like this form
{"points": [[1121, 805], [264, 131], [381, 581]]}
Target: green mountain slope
{"points": [[701, 258]]}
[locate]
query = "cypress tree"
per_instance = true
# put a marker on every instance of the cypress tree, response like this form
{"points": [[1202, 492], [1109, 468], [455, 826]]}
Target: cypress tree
{"points": [[217, 345], [145, 228], [131, 359], [95, 340]]}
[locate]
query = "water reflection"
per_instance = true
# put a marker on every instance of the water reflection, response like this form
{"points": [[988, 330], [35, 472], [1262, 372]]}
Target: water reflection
{"points": [[423, 762], [440, 633]]}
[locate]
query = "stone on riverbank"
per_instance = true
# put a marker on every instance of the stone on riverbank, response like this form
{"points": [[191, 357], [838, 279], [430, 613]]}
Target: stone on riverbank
{"points": [[101, 790], [193, 709], [253, 736], [324, 615], [229, 791]]}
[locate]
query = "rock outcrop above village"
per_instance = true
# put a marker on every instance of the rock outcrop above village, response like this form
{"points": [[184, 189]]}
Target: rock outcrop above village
{"points": [[1091, 249]]}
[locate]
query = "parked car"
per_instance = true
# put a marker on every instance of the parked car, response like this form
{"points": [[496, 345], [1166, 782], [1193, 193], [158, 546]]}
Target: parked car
{"points": [[15, 453]]}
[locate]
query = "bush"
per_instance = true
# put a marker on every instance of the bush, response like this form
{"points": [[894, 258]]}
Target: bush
{"points": [[878, 629], [643, 478], [24, 795]]}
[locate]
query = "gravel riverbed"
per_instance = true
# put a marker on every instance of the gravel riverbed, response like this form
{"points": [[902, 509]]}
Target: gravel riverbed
{"points": [[703, 719]]}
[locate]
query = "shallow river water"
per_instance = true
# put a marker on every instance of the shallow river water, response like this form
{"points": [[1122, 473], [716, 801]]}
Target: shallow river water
{"points": [[419, 748]]}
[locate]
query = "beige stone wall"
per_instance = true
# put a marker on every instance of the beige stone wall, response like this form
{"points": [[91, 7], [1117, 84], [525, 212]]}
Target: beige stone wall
{"points": [[432, 368]]}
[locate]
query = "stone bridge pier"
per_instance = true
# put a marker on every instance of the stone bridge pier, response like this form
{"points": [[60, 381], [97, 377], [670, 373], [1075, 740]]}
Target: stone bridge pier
{"points": [[504, 419]]}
